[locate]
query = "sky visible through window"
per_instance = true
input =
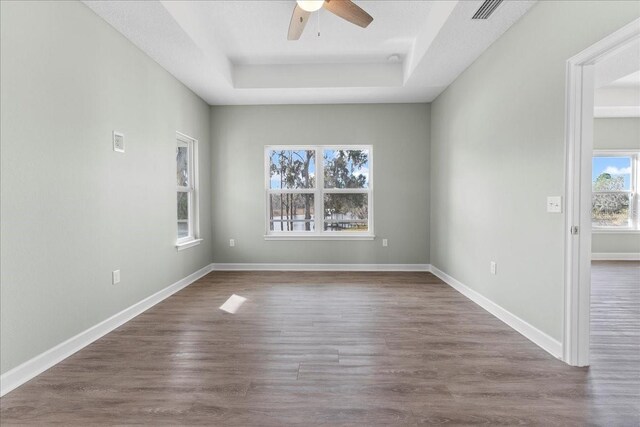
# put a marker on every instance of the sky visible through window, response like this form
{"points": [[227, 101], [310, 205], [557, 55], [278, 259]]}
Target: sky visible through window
{"points": [[342, 194], [615, 166], [277, 156], [358, 168]]}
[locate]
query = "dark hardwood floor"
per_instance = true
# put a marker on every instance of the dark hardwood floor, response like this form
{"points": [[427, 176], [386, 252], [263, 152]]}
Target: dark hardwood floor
{"points": [[338, 349], [615, 335]]}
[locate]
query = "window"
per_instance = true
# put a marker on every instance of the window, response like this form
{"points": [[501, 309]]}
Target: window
{"points": [[319, 192], [187, 192], [614, 202]]}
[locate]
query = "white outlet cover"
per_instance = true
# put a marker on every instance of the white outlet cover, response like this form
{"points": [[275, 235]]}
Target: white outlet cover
{"points": [[115, 277], [118, 142], [554, 204]]}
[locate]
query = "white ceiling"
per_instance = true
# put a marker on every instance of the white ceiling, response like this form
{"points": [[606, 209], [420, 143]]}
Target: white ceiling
{"points": [[628, 81], [620, 98], [617, 81], [618, 65], [236, 52], [255, 32]]}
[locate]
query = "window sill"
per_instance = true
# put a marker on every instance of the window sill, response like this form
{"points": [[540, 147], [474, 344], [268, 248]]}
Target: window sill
{"points": [[319, 236], [186, 245], [615, 231]]}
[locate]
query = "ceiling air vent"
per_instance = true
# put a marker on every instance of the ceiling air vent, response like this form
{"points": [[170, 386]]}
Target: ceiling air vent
{"points": [[487, 8]]}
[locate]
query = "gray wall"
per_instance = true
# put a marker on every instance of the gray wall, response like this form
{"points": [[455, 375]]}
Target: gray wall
{"points": [[399, 134], [497, 152], [72, 209], [616, 134]]}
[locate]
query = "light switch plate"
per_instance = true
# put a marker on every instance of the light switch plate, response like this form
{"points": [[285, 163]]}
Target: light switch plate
{"points": [[115, 276], [118, 142], [554, 204]]}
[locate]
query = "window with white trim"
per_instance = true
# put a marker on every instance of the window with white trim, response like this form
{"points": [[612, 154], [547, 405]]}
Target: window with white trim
{"points": [[187, 190], [319, 191], [614, 202]]}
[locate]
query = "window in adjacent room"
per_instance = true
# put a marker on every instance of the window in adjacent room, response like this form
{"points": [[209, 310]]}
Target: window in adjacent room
{"points": [[187, 191], [614, 203], [319, 192]]}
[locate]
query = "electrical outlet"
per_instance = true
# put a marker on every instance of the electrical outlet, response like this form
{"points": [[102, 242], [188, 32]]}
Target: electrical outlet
{"points": [[232, 242], [385, 243], [115, 277], [118, 142], [494, 268]]}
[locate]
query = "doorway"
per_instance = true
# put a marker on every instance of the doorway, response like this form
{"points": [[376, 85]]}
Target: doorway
{"points": [[584, 74]]}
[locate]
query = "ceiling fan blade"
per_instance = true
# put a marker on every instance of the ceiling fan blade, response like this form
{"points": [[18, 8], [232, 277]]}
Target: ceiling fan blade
{"points": [[298, 22], [346, 9]]}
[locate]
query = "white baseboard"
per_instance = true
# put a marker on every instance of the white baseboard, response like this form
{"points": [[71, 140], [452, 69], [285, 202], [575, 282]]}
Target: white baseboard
{"points": [[615, 256], [551, 345], [33, 367], [319, 267]]}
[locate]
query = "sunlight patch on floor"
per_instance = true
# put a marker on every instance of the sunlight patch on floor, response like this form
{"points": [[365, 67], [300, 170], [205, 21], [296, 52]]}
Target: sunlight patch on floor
{"points": [[233, 304]]}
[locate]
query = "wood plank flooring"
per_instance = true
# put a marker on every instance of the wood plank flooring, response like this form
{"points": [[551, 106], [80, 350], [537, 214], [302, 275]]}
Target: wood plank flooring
{"points": [[325, 348], [615, 335]]}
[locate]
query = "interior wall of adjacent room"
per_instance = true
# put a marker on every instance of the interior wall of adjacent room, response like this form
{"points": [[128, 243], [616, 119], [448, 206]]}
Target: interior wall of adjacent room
{"points": [[497, 152], [72, 209], [616, 134], [399, 134]]}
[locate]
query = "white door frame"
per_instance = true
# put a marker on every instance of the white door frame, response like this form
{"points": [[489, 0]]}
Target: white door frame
{"points": [[578, 158]]}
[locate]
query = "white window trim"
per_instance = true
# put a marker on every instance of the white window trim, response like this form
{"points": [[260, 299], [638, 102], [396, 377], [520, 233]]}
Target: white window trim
{"points": [[635, 171], [319, 191], [193, 239], [186, 245]]}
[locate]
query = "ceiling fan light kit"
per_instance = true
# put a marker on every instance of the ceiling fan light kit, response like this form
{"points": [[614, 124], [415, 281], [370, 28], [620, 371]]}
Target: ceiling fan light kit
{"points": [[310, 5], [345, 9]]}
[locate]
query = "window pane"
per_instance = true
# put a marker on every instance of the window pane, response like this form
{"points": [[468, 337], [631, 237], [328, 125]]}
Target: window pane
{"points": [[346, 212], [182, 156], [611, 173], [611, 210], [183, 214], [346, 168], [292, 169], [291, 212]]}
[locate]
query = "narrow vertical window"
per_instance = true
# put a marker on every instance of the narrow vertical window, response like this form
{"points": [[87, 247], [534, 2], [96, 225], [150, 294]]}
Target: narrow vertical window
{"points": [[187, 192]]}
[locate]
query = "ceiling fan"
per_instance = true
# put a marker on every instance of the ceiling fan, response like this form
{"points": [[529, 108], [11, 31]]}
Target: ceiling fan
{"points": [[345, 9]]}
